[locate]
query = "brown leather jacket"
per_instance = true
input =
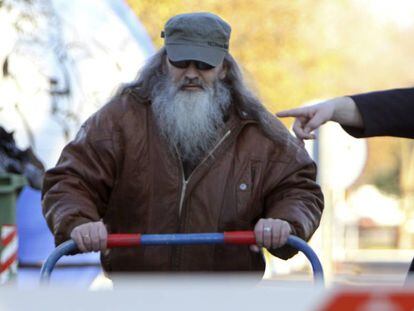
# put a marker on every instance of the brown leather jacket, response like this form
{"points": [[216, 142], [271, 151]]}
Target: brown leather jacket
{"points": [[119, 169]]}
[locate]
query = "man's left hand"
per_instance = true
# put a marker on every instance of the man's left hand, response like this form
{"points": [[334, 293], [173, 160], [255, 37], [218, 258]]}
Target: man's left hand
{"points": [[271, 233]]}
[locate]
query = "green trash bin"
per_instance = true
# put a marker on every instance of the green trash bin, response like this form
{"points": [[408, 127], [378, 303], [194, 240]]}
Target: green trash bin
{"points": [[10, 186]]}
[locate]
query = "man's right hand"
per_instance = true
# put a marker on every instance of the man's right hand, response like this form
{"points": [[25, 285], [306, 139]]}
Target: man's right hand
{"points": [[309, 118], [340, 109], [90, 237]]}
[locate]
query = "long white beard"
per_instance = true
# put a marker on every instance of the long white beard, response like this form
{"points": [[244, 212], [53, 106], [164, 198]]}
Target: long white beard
{"points": [[191, 121]]}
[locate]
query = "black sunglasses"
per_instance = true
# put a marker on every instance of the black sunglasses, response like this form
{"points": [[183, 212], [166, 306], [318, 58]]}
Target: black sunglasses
{"points": [[182, 64]]}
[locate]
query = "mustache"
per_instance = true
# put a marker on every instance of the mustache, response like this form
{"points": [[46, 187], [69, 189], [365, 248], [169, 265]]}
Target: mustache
{"points": [[195, 82]]}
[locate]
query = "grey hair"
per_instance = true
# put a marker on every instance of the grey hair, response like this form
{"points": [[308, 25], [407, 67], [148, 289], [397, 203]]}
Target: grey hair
{"points": [[148, 78], [243, 100], [248, 105]]}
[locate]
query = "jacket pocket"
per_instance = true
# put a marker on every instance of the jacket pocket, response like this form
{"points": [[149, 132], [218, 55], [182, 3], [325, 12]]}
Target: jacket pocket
{"points": [[248, 190]]}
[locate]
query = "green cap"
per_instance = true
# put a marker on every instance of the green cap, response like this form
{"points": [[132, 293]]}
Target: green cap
{"points": [[197, 36]]}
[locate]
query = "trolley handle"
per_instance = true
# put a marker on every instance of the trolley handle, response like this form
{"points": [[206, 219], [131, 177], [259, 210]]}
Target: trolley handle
{"points": [[231, 237]]}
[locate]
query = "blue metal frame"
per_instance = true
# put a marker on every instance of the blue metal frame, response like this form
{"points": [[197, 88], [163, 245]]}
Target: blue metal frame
{"points": [[182, 239], [66, 248], [69, 247]]}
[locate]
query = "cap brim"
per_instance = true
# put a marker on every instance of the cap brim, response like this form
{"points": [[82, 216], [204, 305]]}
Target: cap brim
{"points": [[210, 55]]}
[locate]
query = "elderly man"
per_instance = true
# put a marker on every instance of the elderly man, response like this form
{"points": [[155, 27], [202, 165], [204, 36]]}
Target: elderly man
{"points": [[185, 148]]}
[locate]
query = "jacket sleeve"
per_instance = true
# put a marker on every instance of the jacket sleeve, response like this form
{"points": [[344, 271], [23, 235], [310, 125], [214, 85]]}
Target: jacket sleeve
{"points": [[77, 190], [294, 196], [385, 113]]}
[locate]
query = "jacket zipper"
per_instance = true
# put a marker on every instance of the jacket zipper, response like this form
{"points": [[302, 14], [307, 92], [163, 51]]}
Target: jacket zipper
{"points": [[185, 181], [175, 251], [183, 188]]}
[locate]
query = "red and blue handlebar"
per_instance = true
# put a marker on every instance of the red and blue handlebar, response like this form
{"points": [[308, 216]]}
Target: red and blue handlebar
{"points": [[230, 238], [233, 237]]}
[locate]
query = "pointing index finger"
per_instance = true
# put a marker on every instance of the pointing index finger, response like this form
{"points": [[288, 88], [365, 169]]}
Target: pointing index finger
{"points": [[297, 112]]}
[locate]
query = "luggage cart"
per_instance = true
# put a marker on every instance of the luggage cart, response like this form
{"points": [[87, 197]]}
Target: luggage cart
{"points": [[230, 237]]}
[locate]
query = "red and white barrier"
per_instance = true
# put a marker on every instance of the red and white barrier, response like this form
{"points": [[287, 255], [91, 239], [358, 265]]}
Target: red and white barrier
{"points": [[8, 256], [370, 299]]}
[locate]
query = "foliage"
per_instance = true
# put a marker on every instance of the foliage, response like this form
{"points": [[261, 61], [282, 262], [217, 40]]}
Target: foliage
{"points": [[265, 40], [388, 181]]}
